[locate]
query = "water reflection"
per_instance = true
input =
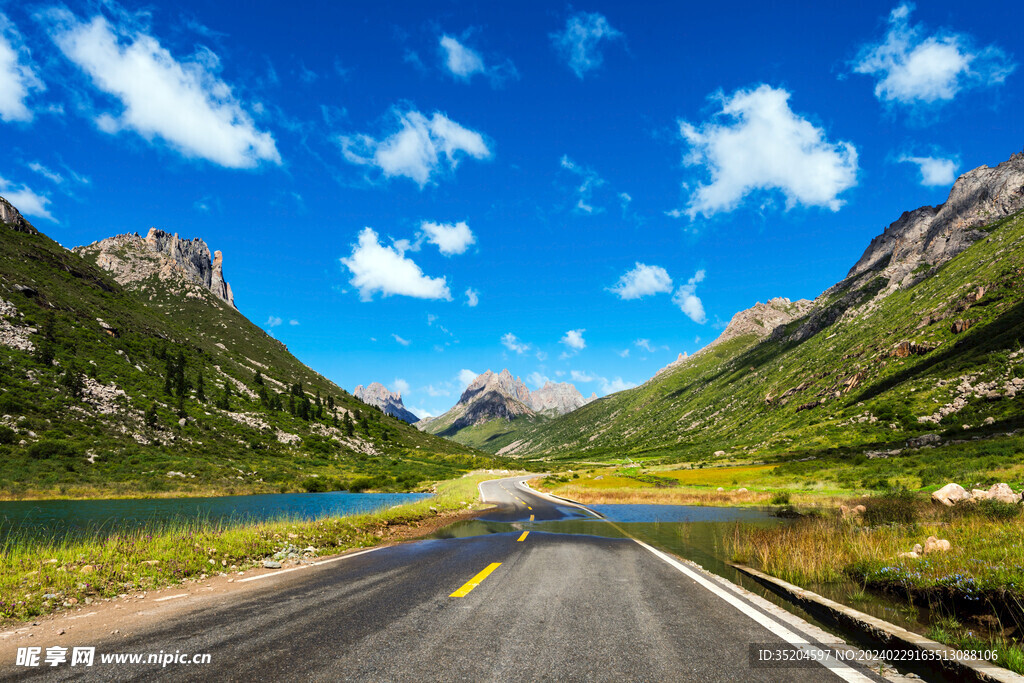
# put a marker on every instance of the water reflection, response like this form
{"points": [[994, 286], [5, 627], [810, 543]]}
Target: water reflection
{"points": [[701, 534], [57, 518]]}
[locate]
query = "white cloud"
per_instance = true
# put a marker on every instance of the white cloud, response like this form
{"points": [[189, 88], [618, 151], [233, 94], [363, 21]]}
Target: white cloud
{"points": [[583, 377], [536, 379], [17, 79], [377, 268], [589, 179], [617, 384], [436, 391], [756, 142], [512, 343], [273, 321], [450, 238], [579, 43], [913, 68], [52, 176], [466, 377], [25, 200], [645, 344], [293, 322], [688, 301], [472, 297], [642, 281], [419, 412], [185, 103], [400, 340], [574, 340], [463, 63], [541, 356], [624, 353], [418, 149], [400, 386], [934, 170]]}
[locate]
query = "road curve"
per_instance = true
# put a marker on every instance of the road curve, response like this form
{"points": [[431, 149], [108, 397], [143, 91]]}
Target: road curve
{"points": [[518, 605]]}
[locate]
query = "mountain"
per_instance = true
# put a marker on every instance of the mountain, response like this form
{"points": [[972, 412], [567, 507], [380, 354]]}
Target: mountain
{"points": [[922, 336], [125, 369], [496, 405], [182, 266], [390, 403], [558, 399]]}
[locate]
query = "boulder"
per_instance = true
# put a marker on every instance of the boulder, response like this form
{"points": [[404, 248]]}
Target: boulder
{"points": [[741, 490], [936, 545], [1004, 494], [271, 564], [951, 494], [924, 440], [980, 494]]}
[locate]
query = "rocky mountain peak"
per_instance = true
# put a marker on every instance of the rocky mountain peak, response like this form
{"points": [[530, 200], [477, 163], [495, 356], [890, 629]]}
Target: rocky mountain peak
{"points": [[559, 399], [762, 318], [13, 218], [932, 235], [390, 402], [132, 259], [503, 383]]}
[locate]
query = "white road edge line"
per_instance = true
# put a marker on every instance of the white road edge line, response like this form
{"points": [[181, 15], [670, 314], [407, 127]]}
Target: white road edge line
{"points": [[171, 597], [304, 566], [843, 670]]}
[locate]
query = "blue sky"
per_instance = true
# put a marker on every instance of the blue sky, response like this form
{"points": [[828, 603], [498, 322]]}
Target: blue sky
{"points": [[414, 192]]}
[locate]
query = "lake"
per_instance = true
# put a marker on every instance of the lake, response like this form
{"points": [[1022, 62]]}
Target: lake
{"points": [[55, 518]]}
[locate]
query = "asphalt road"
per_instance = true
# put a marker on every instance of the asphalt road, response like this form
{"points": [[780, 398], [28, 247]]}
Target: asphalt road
{"points": [[496, 607]]}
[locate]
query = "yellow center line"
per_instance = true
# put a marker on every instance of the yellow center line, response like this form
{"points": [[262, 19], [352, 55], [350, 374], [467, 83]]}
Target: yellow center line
{"points": [[531, 518], [523, 537], [528, 507], [475, 581]]}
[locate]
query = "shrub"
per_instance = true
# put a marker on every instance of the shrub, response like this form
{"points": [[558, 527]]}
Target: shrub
{"points": [[895, 507], [998, 511], [780, 498], [7, 435], [9, 405], [47, 449]]}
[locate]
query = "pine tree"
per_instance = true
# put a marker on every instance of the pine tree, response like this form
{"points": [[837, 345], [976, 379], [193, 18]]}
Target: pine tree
{"points": [[180, 385], [200, 388], [349, 427], [258, 379], [73, 380], [46, 348], [169, 376], [151, 415]]}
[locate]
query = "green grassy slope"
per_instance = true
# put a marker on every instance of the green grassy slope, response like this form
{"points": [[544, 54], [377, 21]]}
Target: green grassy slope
{"points": [[838, 389], [58, 415]]}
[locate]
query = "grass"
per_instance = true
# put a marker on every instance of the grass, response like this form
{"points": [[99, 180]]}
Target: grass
{"points": [[41, 576], [980, 579]]}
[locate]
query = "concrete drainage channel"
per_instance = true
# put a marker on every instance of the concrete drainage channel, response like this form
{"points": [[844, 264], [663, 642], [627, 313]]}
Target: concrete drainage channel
{"points": [[916, 653]]}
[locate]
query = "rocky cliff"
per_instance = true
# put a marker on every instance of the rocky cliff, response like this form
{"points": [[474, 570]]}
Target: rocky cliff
{"points": [[558, 399], [390, 402], [13, 218], [132, 259], [932, 235], [763, 318]]}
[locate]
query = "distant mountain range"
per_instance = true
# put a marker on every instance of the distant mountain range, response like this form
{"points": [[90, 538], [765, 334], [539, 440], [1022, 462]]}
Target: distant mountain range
{"points": [[494, 400], [377, 395]]}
